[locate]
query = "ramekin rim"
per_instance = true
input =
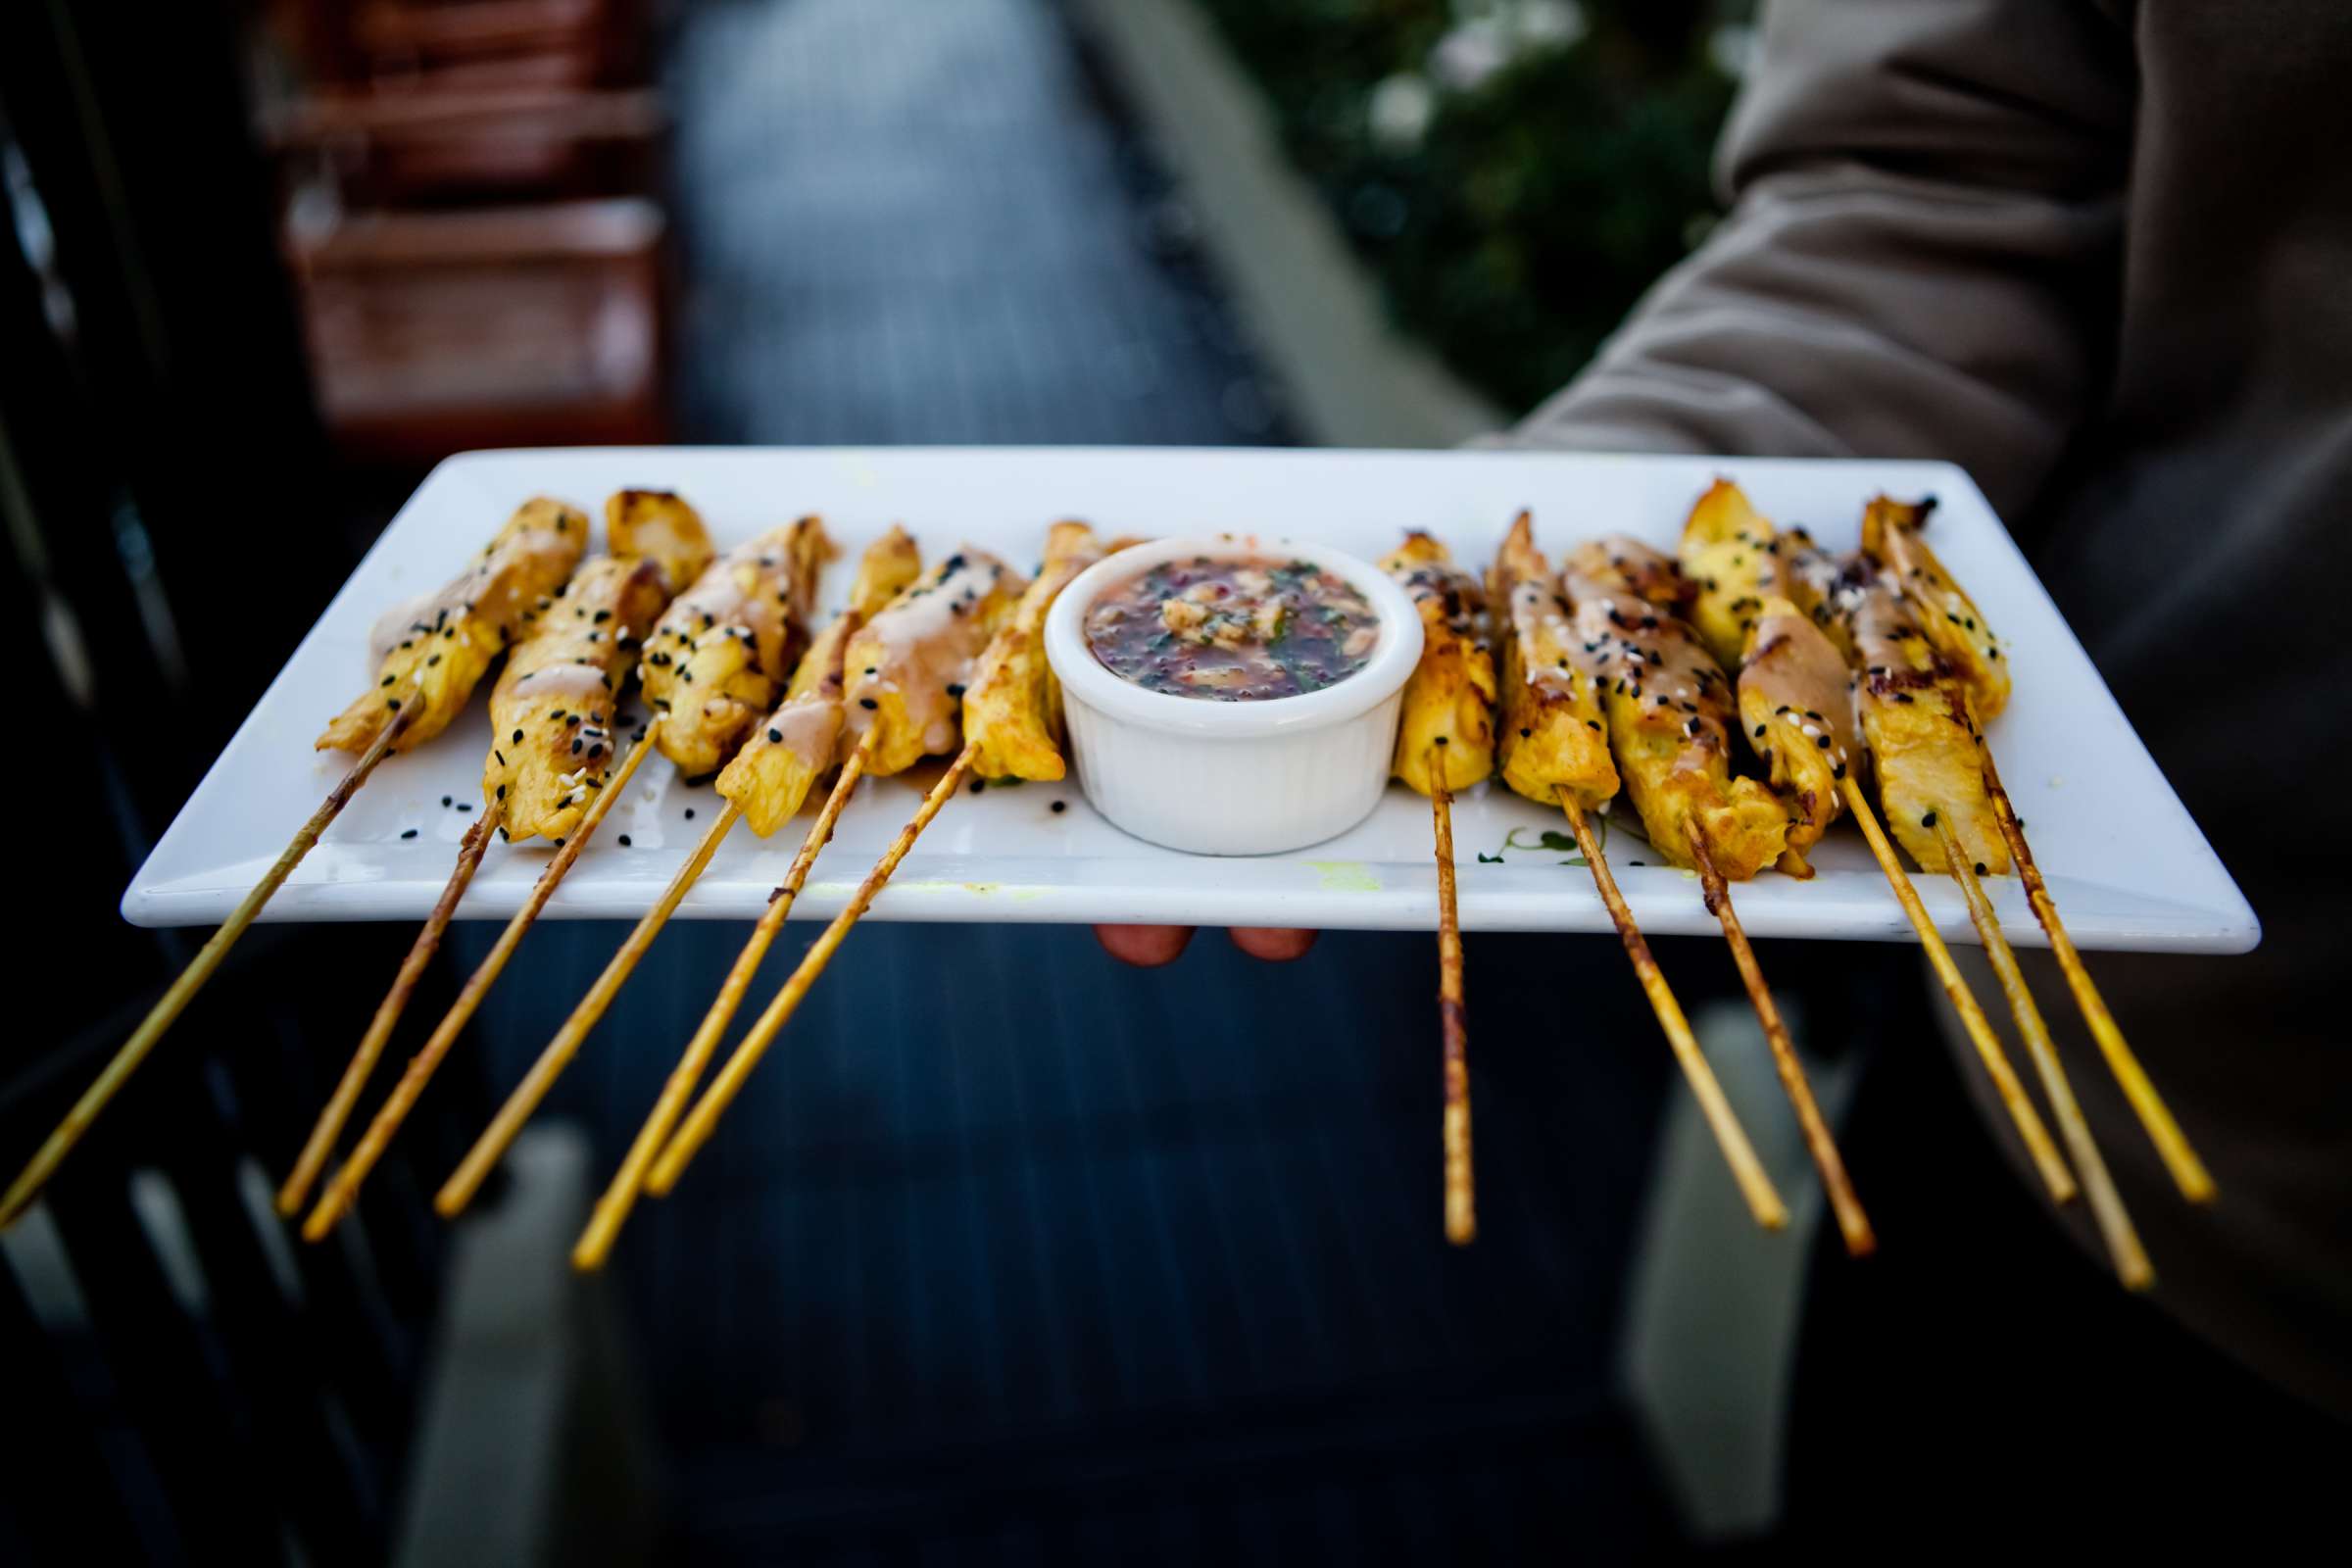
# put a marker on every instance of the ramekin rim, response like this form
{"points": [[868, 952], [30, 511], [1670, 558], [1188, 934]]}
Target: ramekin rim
{"points": [[1086, 678]]}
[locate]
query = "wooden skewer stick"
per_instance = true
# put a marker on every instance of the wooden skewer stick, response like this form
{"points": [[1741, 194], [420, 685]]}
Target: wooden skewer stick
{"points": [[167, 1009], [704, 1118], [361, 1066], [483, 1157], [1747, 1169], [2171, 1145], [2036, 1137], [612, 1209], [1852, 1223], [1461, 1212], [344, 1189], [2106, 1203]]}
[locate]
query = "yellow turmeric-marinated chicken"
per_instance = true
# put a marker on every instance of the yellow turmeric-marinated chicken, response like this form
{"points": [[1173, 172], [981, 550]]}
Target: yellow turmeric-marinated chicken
{"points": [[1890, 531], [431, 652], [909, 665], [1550, 735], [1795, 698], [1921, 742], [658, 526], [1450, 698], [776, 769], [724, 648], [1669, 707], [1815, 582], [1796, 702], [1012, 707], [1630, 565], [552, 740], [1728, 556]]}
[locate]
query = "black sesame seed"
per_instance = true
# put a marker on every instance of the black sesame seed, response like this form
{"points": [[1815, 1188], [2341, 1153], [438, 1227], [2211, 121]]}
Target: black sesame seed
{"points": [[774, 736], [445, 803], [624, 841], [979, 785], [690, 814], [868, 703], [1060, 806], [1980, 870], [409, 834], [518, 736], [1927, 820]]}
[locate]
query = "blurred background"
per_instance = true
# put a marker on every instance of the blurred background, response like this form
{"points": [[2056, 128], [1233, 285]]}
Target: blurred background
{"points": [[973, 1278]]}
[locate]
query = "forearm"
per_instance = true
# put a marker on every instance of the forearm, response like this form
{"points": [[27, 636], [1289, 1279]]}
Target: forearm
{"points": [[1908, 270]]}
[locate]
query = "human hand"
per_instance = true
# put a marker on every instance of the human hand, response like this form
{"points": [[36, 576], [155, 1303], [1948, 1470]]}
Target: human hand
{"points": [[1148, 947]]}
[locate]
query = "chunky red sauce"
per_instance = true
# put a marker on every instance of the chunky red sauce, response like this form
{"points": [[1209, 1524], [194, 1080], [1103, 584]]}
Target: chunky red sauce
{"points": [[1233, 630]]}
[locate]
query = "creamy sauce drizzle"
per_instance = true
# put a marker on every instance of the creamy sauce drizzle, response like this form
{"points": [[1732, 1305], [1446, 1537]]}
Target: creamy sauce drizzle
{"points": [[808, 730], [1797, 670], [1652, 657], [562, 680], [926, 640], [1540, 620], [479, 587]]}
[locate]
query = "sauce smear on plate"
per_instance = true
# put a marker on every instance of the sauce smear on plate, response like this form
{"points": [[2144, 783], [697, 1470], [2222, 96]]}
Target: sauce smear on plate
{"points": [[1233, 630]]}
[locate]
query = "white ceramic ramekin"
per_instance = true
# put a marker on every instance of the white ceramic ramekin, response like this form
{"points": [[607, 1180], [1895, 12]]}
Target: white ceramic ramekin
{"points": [[1238, 777]]}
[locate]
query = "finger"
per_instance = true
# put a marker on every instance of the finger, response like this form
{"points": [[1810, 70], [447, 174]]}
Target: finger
{"points": [[1274, 943], [1146, 946]]}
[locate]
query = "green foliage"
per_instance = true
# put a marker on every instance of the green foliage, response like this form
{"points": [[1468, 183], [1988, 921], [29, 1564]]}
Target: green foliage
{"points": [[1537, 205]]}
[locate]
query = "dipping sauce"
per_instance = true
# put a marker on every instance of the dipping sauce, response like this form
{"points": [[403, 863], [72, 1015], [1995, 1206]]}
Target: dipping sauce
{"points": [[1233, 630]]}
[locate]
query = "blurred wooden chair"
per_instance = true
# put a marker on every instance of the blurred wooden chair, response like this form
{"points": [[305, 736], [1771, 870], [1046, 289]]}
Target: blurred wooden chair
{"points": [[473, 45], [467, 187], [433, 332], [437, 148]]}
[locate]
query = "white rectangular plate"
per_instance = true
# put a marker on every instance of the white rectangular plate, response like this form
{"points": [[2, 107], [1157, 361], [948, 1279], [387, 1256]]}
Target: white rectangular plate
{"points": [[2130, 868]]}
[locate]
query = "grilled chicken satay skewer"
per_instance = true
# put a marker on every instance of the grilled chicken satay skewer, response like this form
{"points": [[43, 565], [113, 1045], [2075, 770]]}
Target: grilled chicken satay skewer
{"points": [[1670, 709], [907, 668], [1921, 740], [1930, 782], [1789, 607], [1552, 744], [551, 745], [429, 654], [769, 779], [1446, 742], [1951, 621], [713, 668]]}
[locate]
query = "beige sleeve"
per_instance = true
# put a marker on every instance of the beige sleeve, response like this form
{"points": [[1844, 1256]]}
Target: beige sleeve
{"points": [[1922, 256]]}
